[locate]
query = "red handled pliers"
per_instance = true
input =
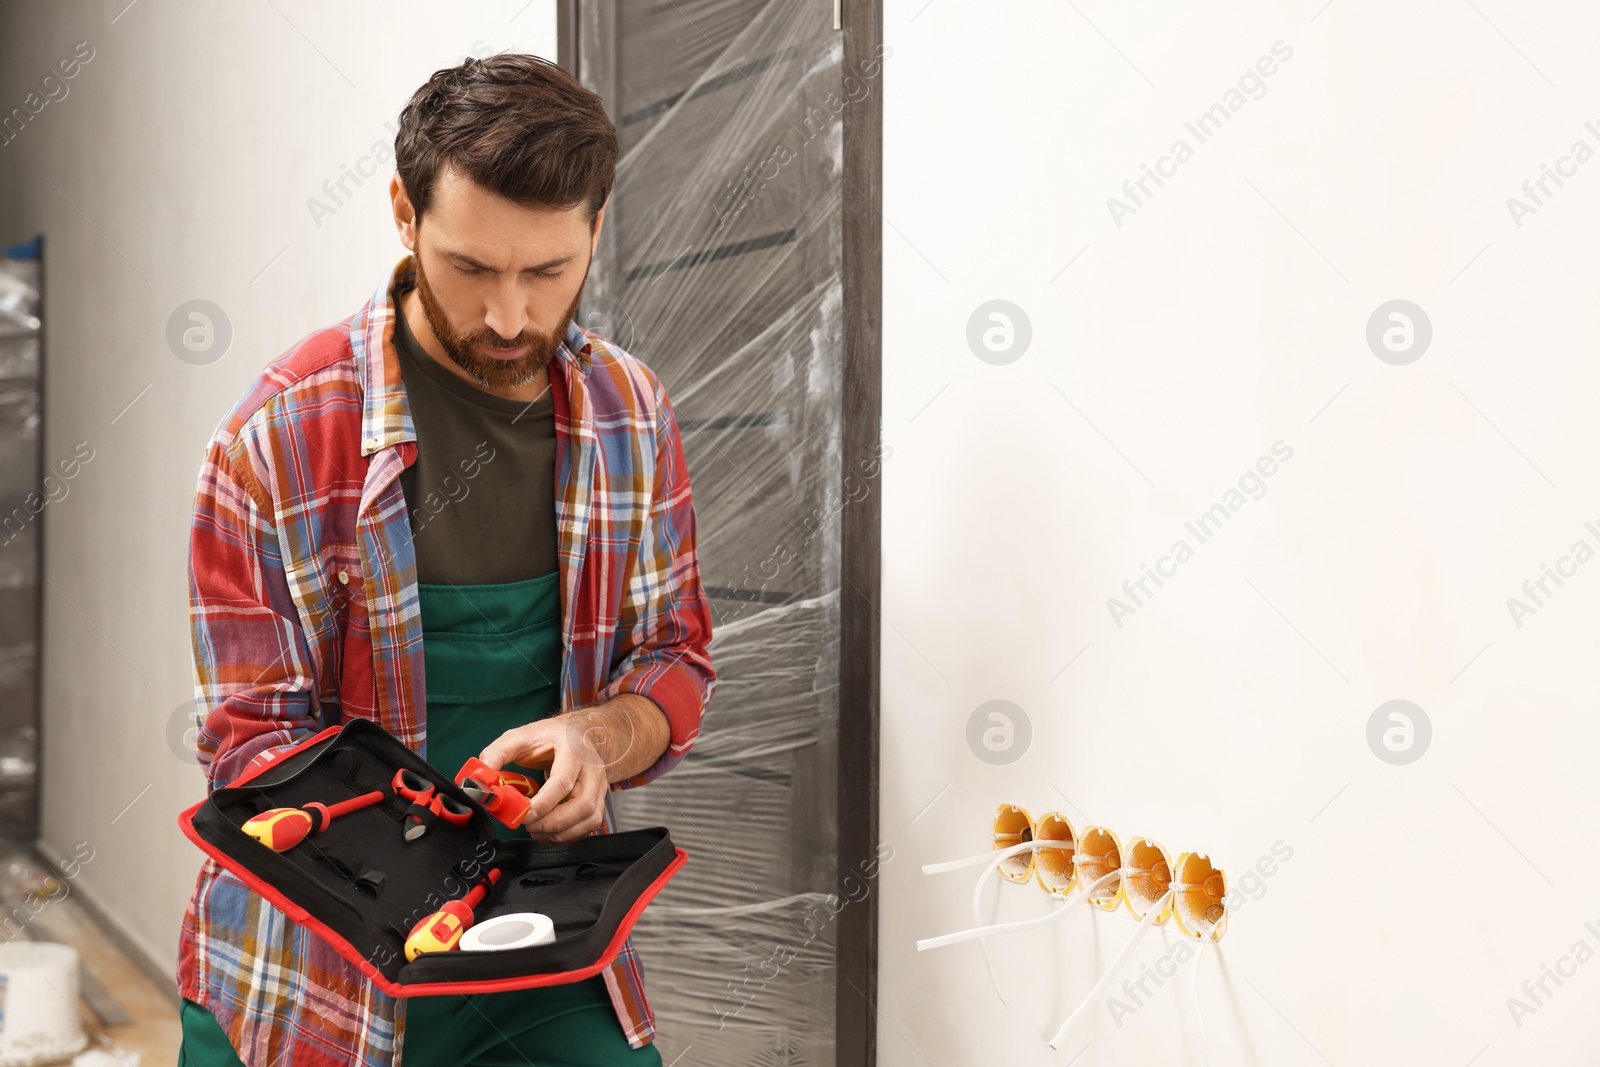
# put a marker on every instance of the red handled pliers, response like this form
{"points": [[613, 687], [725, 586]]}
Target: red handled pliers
{"points": [[427, 804]]}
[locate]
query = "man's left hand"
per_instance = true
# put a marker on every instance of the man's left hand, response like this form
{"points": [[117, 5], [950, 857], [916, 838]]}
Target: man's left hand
{"points": [[582, 753]]}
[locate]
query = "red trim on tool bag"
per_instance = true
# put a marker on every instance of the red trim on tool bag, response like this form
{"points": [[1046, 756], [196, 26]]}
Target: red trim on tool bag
{"points": [[273, 756], [370, 969], [533, 981], [283, 903]]}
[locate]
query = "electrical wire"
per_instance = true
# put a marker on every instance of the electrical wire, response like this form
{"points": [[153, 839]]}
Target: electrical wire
{"points": [[1022, 924], [994, 859], [1111, 972]]}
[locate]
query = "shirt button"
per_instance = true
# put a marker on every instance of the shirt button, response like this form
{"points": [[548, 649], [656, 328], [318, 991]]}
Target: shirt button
{"points": [[344, 577], [372, 442]]}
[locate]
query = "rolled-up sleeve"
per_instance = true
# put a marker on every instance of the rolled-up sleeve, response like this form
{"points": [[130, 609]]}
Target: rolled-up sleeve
{"points": [[665, 622], [253, 684]]}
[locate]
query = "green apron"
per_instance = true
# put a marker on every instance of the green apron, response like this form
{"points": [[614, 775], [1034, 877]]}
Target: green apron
{"points": [[492, 661]]}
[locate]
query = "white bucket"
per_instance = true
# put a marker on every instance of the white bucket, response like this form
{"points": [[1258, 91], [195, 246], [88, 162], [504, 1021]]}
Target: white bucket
{"points": [[39, 1019]]}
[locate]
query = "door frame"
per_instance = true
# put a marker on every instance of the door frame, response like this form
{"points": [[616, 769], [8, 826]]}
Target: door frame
{"points": [[860, 564]]}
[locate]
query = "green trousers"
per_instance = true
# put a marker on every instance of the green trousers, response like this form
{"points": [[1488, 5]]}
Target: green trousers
{"points": [[560, 1026]]}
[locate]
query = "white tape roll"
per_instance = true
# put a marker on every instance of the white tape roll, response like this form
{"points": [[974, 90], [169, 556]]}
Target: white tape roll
{"points": [[519, 929]]}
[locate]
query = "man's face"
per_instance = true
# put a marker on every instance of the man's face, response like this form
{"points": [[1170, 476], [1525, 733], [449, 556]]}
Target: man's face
{"points": [[498, 282]]}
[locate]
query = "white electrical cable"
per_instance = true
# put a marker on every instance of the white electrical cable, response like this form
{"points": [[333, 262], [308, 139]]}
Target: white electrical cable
{"points": [[998, 854], [994, 859], [983, 882], [1116, 966], [1022, 924]]}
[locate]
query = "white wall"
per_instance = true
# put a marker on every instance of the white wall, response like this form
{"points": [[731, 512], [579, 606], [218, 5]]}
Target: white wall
{"points": [[182, 157], [1230, 712]]}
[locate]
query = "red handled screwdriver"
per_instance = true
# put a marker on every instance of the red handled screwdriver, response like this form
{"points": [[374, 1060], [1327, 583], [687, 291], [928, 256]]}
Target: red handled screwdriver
{"points": [[280, 829]]}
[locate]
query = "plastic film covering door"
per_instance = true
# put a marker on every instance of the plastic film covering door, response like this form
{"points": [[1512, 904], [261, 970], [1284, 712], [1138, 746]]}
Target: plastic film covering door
{"points": [[719, 266]]}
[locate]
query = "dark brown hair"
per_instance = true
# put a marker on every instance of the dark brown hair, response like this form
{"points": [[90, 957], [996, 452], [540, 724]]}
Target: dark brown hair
{"points": [[517, 125]]}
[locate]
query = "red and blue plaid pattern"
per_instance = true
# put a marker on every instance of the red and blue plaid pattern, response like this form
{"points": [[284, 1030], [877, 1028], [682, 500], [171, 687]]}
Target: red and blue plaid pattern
{"points": [[303, 596]]}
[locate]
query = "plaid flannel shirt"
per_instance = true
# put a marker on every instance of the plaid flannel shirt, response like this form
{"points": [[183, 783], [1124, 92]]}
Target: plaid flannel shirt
{"points": [[303, 596]]}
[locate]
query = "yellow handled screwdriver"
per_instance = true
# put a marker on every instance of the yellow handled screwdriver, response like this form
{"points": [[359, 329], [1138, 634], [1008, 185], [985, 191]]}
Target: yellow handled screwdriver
{"points": [[280, 829], [441, 931]]}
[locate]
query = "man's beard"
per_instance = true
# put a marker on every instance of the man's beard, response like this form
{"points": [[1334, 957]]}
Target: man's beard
{"points": [[488, 371]]}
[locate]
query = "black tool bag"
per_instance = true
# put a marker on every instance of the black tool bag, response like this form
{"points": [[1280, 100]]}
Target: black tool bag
{"points": [[362, 886]]}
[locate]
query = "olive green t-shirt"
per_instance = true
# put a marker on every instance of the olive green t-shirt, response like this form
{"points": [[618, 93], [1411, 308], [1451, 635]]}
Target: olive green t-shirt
{"points": [[481, 494]]}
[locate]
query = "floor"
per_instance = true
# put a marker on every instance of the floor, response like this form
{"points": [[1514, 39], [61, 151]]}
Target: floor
{"points": [[125, 1013]]}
